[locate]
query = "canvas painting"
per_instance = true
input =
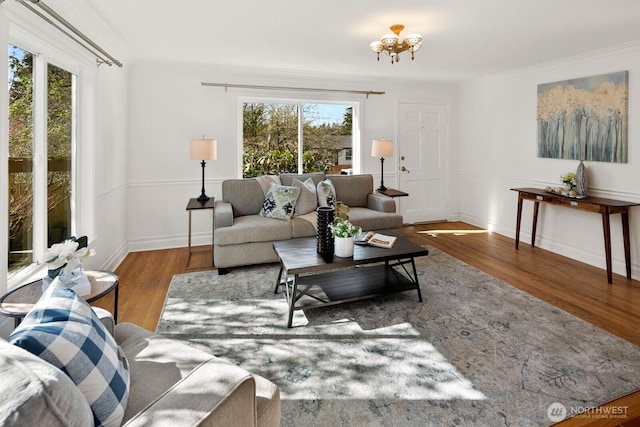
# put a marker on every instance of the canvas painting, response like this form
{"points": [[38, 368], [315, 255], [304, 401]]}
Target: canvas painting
{"points": [[585, 118]]}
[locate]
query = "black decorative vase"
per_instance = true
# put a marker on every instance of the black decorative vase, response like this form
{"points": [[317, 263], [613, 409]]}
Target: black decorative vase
{"points": [[324, 236]]}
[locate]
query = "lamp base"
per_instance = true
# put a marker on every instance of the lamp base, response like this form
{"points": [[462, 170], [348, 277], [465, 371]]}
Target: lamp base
{"points": [[382, 188], [203, 198]]}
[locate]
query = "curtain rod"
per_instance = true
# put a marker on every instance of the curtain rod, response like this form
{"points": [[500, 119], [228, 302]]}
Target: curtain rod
{"points": [[306, 89], [102, 57]]}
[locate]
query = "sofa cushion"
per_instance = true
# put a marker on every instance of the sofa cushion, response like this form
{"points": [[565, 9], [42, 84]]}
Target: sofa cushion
{"points": [[245, 195], [352, 190], [36, 393], [64, 331], [326, 193], [280, 202], [304, 225], [266, 181], [253, 228], [308, 200], [287, 178]]}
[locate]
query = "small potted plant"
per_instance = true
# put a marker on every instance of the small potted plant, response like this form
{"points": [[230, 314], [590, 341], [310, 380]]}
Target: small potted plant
{"points": [[343, 233]]}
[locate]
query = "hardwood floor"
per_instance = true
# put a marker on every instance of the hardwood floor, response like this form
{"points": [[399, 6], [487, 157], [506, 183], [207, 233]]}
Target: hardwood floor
{"points": [[569, 285]]}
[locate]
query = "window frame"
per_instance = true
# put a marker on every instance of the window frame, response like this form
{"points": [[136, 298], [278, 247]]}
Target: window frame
{"points": [[299, 101], [63, 54]]}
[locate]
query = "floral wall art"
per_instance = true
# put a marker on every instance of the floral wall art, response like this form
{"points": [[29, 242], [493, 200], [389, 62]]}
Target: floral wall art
{"points": [[584, 118]]}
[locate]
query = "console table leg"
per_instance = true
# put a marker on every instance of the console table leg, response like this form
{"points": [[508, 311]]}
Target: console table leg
{"points": [[534, 226], [606, 228], [518, 220], [624, 215]]}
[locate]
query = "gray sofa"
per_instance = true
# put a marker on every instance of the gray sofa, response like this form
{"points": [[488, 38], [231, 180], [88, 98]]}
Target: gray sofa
{"points": [[243, 237], [171, 384]]}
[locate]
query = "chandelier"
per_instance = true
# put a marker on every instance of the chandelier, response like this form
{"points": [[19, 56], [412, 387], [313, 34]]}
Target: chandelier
{"points": [[392, 46]]}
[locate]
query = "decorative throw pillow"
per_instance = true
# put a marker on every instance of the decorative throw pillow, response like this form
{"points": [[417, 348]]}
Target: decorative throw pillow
{"points": [[63, 330], [36, 393], [308, 200], [280, 202], [326, 193]]}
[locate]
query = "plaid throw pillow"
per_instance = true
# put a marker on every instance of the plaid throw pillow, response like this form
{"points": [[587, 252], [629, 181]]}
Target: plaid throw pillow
{"points": [[63, 330]]}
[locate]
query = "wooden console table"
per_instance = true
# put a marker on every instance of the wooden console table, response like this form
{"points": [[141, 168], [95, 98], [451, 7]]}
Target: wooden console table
{"points": [[605, 207]]}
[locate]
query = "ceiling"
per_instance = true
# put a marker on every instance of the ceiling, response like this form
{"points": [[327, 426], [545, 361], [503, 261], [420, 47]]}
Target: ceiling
{"points": [[462, 39]]}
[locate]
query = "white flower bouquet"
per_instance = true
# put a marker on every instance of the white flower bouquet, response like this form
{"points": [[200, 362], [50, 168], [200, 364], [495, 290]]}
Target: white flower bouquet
{"points": [[65, 260]]}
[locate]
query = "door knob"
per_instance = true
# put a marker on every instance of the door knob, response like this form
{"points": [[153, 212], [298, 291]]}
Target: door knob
{"points": [[403, 169], [402, 158]]}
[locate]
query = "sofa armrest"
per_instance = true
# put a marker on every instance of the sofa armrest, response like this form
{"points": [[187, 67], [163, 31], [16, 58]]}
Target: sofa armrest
{"points": [[216, 393], [223, 213], [381, 203]]}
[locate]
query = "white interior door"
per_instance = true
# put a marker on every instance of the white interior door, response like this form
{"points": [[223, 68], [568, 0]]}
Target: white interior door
{"points": [[423, 149]]}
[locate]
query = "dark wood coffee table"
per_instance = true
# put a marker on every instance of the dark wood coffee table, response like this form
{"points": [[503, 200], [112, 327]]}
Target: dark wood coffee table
{"points": [[311, 280]]}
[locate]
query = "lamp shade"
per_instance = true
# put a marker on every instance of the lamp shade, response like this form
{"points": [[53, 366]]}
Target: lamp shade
{"points": [[204, 149], [382, 148]]}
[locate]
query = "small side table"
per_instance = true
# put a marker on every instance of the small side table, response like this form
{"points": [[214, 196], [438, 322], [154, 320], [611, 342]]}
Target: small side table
{"points": [[193, 205], [19, 301], [390, 192]]}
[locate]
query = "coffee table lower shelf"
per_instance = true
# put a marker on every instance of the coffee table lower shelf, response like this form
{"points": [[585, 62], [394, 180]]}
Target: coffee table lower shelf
{"points": [[338, 287]]}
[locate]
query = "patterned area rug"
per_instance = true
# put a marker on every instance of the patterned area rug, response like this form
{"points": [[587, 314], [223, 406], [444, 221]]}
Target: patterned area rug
{"points": [[476, 351]]}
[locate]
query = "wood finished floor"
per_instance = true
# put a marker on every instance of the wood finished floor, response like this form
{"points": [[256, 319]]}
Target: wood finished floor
{"points": [[567, 284]]}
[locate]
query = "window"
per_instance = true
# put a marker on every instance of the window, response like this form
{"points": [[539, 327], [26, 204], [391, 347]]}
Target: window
{"points": [[40, 127], [296, 137]]}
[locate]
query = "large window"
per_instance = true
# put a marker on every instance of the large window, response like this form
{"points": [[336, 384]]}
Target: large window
{"points": [[301, 137], [41, 126]]}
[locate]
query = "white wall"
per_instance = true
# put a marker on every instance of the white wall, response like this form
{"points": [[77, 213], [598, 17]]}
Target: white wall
{"points": [[111, 118], [498, 152], [168, 107]]}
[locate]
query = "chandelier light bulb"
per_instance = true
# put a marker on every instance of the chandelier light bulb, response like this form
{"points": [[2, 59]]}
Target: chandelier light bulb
{"points": [[376, 47], [389, 40]]}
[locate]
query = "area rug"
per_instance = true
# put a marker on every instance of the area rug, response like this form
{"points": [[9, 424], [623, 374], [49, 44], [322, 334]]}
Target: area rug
{"points": [[476, 352]]}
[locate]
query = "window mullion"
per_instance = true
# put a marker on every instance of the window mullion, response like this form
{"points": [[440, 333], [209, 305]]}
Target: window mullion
{"points": [[300, 137], [39, 158]]}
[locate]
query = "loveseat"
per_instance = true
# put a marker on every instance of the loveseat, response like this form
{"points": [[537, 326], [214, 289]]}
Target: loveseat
{"points": [[243, 236], [171, 384]]}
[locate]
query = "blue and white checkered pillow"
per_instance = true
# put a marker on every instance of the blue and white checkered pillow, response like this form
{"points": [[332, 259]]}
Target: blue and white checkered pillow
{"points": [[64, 331]]}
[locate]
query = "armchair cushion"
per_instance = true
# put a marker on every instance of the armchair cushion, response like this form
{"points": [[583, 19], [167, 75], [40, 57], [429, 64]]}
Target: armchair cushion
{"points": [[63, 330]]}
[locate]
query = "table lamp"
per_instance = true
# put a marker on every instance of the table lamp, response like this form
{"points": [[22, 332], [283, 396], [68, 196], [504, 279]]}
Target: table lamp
{"points": [[382, 148], [204, 149]]}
